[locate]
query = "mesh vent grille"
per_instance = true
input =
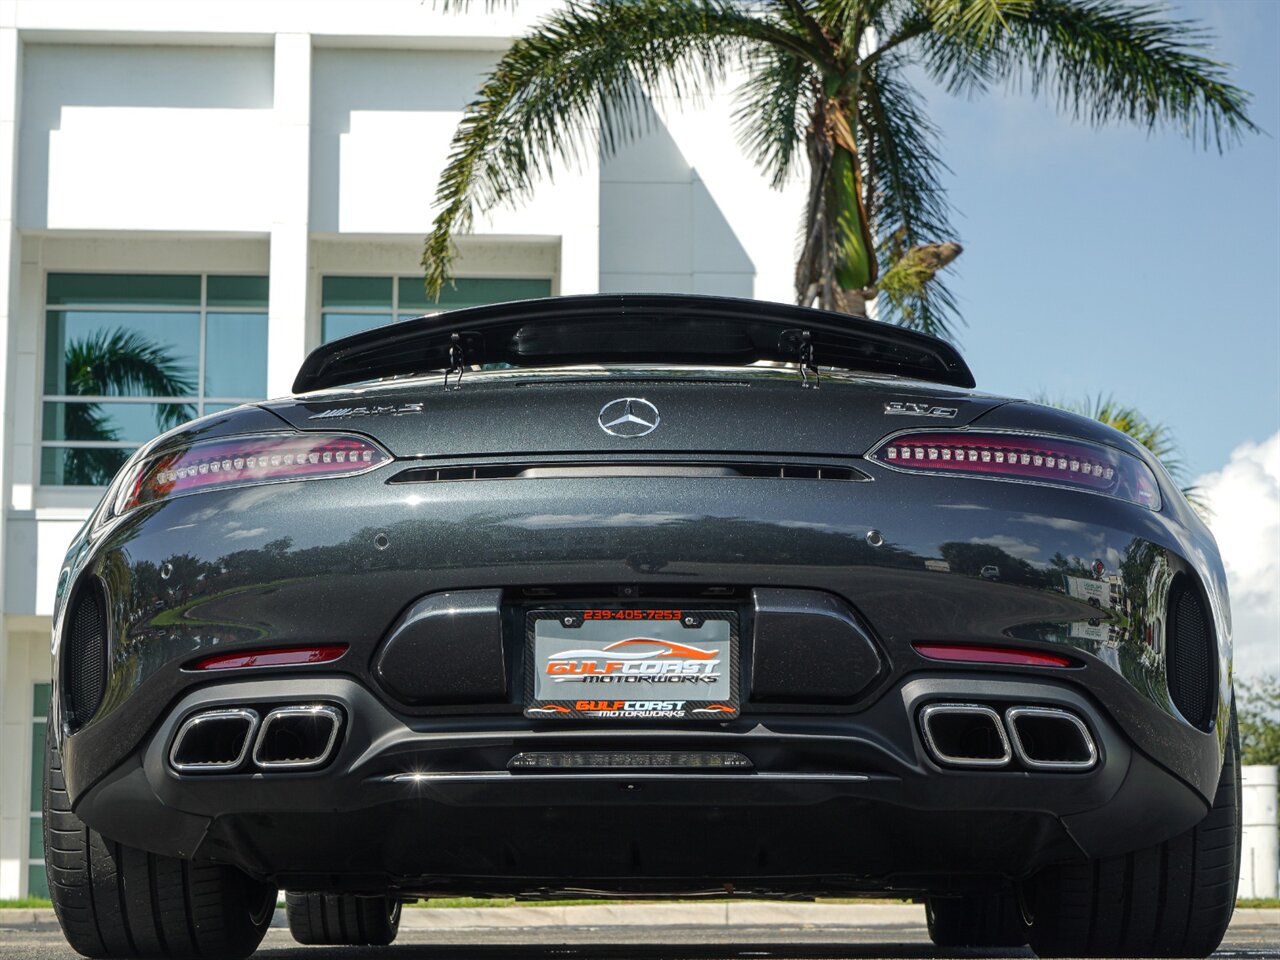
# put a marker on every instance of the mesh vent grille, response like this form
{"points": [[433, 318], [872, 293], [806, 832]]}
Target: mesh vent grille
{"points": [[1190, 663], [86, 656]]}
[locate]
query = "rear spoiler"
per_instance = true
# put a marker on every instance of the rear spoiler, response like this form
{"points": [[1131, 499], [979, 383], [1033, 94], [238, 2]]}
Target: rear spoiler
{"points": [[631, 328]]}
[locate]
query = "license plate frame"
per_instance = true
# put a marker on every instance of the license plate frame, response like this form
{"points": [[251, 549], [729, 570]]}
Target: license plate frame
{"points": [[665, 662]]}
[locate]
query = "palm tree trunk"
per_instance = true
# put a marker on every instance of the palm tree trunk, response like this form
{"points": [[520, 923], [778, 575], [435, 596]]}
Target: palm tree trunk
{"points": [[837, 266]]}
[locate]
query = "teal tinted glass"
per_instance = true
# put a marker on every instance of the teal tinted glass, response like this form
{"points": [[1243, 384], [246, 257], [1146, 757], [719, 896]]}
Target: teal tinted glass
{"points": [[236, 291], [344, 324], [157, 289], [218, 407], [117, 352], [37, 765], [112, 422], [80, 466], [369, 292], [235, 355], [40, 699], [35, 845], [37, 881], [470, 292]]}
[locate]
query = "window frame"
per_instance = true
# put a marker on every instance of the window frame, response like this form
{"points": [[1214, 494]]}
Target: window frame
{"points": [[198, 400], [35, 766], [395, 310]]}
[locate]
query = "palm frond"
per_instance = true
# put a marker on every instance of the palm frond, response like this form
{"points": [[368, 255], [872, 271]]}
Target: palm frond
{"points": [[973, 22], [578, 84], [1103, 61], [772, 110], [127, 363], [907, 198], [1155, 436]]}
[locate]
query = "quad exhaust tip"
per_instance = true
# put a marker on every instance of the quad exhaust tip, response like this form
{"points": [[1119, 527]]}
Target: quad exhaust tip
{"points": [[1049, 738], [297, 737], [1039, 738], [213, 740], [965, 735]]}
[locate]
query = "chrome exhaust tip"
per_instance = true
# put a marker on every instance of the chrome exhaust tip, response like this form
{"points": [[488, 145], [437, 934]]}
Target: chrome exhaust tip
{"points": [[213, 740], [1050, 738], [297, 737], [965, 735]]}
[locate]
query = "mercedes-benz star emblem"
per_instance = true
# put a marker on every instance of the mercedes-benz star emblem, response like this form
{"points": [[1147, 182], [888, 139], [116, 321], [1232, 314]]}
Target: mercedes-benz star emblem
{"points": [[629, 417]]}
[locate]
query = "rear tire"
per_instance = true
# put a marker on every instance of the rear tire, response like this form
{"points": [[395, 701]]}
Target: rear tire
{"points": [[980, 920], [1174, 899], [342, 919], [117, 901]]}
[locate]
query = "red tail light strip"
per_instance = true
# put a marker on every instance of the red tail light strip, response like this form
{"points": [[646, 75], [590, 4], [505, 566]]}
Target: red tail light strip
{"points": [[276, 657], [1012, 656], [238, 461], [1009, 456]]}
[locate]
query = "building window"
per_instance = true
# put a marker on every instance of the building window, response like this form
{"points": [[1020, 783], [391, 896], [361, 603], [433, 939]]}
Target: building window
{"points": [[37, 880], [128, 356], [351, 304]]}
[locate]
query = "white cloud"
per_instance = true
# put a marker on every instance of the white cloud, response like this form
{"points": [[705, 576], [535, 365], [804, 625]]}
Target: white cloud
{"points": [[1245, 499], [1013, 546]]}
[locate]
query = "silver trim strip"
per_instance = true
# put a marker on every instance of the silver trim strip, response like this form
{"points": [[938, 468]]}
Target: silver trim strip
{"points": [[193, 721], [1014, 713], [935, 709], [489, 775], [333, 714]]}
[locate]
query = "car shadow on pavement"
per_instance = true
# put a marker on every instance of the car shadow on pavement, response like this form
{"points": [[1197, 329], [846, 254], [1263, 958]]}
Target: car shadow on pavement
{"points": [[636, 951]]}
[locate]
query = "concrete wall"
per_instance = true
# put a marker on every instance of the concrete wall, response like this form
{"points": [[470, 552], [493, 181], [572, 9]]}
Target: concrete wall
{"points": [[1260, 836]]}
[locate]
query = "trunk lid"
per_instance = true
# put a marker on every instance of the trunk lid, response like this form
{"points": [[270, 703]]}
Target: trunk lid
{"points": [[706, 412]]}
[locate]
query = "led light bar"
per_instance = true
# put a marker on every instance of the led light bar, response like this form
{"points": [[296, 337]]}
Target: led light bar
{"points": [[239, 461], [275, 657], [1012, 656], [1076, 464]]}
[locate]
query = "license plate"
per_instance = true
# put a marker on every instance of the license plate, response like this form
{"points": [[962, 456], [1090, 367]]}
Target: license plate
{"points": [[632, 663]]}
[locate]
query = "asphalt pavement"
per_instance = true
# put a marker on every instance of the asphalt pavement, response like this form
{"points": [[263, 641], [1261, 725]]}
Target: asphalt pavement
{"points": [[643, 933]]}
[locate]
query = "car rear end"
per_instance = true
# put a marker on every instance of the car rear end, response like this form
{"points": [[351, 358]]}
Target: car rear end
{"points": [[637, 628]]}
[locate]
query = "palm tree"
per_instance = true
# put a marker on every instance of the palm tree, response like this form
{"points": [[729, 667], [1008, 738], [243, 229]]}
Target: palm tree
{"points": [[829, 81], [116, 363], [1155, 436]]}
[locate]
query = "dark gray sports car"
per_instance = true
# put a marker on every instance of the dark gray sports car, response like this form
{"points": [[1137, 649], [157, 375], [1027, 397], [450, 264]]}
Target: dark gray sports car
{"points": [[642, 595]]}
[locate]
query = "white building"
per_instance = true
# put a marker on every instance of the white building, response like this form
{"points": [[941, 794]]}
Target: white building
{"points": [[236, 181]]}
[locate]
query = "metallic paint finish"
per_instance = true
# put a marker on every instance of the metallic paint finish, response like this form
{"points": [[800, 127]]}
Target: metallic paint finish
{"points": [[342, 560]]}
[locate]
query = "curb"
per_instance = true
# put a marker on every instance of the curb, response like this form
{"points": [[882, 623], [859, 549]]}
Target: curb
{"points": [[655, 914], [651, 914]]}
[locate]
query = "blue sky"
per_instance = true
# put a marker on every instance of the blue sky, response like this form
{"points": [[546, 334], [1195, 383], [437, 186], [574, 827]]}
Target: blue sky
{"points": [[1123, 262]]}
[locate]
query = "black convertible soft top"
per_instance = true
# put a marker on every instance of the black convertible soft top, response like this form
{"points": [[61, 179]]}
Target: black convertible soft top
{"points": [[632, 328]]}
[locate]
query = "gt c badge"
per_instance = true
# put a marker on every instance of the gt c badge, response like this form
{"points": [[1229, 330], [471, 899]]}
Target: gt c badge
{"points": [[629, 417], [918, 410]]}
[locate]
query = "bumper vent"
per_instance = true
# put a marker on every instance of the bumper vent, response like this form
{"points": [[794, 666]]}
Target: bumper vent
{"points": [[85, 659], [1191, 656]]}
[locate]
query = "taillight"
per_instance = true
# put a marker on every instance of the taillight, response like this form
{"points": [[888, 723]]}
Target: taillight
{"points": [[1076, 464], [240, 461]]}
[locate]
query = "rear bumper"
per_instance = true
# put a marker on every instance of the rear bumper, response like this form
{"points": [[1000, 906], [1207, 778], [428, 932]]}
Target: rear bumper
{"points": [[832, 802]]}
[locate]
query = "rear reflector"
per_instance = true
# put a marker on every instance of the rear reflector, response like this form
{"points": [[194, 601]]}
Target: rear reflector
{"points": [[279, 657], [240, 461], [961, 653], [1015, 456]]}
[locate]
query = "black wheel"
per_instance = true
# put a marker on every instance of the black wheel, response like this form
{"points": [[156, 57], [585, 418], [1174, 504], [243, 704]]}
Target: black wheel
{"points": [[978, 920], [1171, 900], [342, 919], [116, 901]]}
